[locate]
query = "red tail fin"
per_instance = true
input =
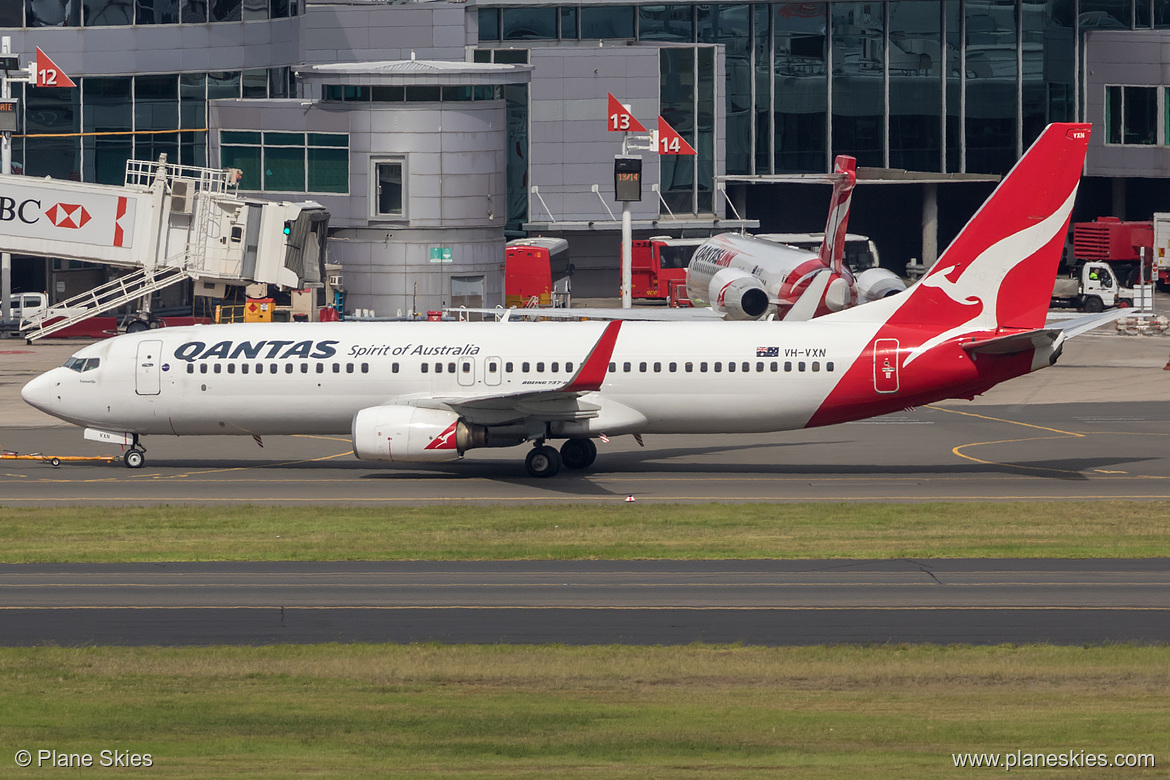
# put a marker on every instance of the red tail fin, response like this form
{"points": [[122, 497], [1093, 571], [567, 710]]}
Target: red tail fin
{"points": [[999, 271], [833, 244]]}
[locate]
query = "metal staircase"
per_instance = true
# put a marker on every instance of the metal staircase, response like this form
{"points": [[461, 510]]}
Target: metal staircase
{"points": [[110, 295]]}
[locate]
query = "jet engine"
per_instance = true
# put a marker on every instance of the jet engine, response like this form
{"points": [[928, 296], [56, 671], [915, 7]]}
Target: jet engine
{"points": [[876, 283], [411, 434], [737, 294]]}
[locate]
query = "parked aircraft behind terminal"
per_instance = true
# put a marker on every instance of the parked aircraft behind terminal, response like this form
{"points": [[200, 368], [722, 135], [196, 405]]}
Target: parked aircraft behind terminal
{"points": [[428, 392]]}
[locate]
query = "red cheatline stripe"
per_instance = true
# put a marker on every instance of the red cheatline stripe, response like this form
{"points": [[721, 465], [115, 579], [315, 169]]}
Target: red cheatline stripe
{"points": [[592, 372]]}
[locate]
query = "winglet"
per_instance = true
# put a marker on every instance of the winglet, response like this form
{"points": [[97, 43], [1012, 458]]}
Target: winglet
{"points": [[592, 372]]}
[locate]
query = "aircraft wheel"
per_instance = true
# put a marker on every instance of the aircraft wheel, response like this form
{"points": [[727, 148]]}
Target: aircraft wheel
{"points": [[134, 459], [578, 453], [138, 326], [543, 461]]}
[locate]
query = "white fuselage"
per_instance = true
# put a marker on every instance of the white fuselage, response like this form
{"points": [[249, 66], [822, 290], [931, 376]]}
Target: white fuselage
{"points": [[313, 378]]}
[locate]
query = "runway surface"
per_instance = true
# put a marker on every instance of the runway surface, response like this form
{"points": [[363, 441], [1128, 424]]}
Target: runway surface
{"points": [[590, 602], [953, 452]]}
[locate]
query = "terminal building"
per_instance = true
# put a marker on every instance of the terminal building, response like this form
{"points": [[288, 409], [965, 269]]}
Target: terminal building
{"points": [[436, 131]]}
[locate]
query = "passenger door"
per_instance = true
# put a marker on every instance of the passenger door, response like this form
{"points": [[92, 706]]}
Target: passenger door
{"points": [[146, 375]]}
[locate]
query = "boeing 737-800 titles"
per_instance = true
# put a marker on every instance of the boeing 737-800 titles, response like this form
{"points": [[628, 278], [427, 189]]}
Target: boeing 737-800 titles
{"points": [[428, 392]]}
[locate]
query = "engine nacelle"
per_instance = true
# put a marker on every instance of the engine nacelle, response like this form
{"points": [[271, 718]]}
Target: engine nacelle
{"points": [[407, 434], [877, 283], [737, 294]]}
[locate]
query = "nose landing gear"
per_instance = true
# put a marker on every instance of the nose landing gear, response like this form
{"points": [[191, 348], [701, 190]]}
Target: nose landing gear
{"points": [[135, 457]]}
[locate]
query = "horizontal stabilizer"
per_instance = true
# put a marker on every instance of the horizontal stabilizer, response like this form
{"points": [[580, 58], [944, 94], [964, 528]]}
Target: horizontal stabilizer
{"points": [[1078, 325], [1015, 342]]}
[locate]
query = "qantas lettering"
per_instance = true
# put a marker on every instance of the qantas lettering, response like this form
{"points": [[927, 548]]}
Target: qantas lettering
{"points": [[229, 350]]}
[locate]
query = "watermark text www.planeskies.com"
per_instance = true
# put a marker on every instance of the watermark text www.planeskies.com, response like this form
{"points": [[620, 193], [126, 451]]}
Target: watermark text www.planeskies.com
{"points": [[1067, 759]]}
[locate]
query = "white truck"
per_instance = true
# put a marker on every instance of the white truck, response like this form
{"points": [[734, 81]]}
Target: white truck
{"points": [[1095, 289]]}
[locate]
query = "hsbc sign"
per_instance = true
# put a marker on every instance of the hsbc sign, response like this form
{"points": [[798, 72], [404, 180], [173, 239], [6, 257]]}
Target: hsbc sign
{"points": [[41, 209]]}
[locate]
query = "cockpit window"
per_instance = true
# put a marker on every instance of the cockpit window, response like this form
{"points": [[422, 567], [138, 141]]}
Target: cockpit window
{"points": [[82, 364]]}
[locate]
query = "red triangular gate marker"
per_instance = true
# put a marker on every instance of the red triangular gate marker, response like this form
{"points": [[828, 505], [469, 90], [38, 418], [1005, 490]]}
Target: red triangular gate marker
{"points": [[620, 120], [48, 74], [670, 142]]}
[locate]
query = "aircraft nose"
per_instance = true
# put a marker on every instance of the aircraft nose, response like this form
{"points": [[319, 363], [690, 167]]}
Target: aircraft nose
{"points": [[40, 392]]}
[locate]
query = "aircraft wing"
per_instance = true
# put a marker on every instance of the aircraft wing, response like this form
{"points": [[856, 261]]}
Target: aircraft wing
{"points": [[648, 314], [556, 400]]}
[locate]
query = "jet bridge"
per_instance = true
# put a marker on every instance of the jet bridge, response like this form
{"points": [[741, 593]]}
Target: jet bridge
{"points": [[166, 224]]}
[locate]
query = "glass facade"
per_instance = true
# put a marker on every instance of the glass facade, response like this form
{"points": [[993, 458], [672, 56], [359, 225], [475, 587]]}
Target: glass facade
{"points": [[287, 162], [87, 132], [117, 13], [928, 85]]}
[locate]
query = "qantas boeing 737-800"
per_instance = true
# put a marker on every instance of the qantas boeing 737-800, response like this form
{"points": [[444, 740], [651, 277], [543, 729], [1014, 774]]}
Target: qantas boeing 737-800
{"points": [[428, 392]]}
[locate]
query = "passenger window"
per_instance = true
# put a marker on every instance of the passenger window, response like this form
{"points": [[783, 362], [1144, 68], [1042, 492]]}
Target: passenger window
{"points": [[829, 366], [775, 366], [349, 368], [393, 368], [337, 368], [491, 366], [673, 367], [612, 368], [525, 367], [288, 369], [731, 366], [657, 367], [626, 367], [231, 368], [718, 366], [703, 367], [190, 368], [466, 368], [259, 368], [243, 368], [787, 365], [450, 368], [365, 368], [540, 367], [759, 366], [508, 367], [218, 368], [800, 366], [816, 366], [320, 368], [689, 367], [438, 368], [554, 367], [569, 368], [202, 368], [642, 367], [425, 367], [748, 366], [273, 368]]}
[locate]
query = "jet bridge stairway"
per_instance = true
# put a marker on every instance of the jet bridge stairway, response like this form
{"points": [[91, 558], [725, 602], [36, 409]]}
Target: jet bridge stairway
{"points": [[123, 290]]}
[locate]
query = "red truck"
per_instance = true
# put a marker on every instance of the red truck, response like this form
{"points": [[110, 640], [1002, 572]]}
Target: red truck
{"points": [[1110, 240], [658, 268]]}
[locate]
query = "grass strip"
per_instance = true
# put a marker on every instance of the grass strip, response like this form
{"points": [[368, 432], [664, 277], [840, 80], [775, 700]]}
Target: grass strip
{"points": [[531, 711], [1099, 529]]}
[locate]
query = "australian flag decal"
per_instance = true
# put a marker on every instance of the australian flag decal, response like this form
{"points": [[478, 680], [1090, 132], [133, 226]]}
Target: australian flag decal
{"points": [[767, 351]]}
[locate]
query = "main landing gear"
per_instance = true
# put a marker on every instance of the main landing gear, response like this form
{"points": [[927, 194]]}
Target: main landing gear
{"points": [[545, 461], [135, 457]]}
